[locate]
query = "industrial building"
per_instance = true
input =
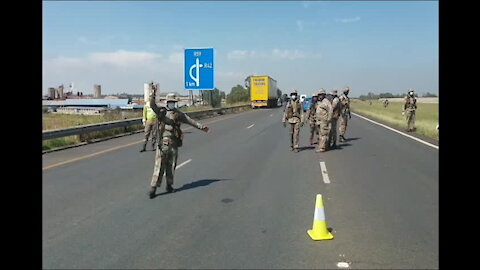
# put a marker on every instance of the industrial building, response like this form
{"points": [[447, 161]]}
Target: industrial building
{"points": [[81, 110]]}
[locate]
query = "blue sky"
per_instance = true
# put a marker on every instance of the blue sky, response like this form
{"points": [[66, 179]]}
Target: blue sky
{"points": [[371, 46]]}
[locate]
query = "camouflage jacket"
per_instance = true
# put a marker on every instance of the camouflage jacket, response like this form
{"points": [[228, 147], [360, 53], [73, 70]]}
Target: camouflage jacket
{"points": [[410, 104], [293, 112], [171, 120], [336, 107], [345, 105], [323, 111], [311, 113]]}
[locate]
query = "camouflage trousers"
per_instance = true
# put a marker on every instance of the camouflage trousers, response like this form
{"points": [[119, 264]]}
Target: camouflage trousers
{"points": [[410, 115], [150, 131], [313, 131], [294, 134], [332, 137], [343, 124], [324, 130], [165, 162]]}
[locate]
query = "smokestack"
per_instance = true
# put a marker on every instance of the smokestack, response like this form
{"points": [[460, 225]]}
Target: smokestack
{"points": [[60, 92], [51, 93], [97, 91]]}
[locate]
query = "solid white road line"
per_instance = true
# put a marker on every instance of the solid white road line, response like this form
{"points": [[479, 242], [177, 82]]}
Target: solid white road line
{"points": [[178, 166], [399, 132], [251, 125], [323, 167]]}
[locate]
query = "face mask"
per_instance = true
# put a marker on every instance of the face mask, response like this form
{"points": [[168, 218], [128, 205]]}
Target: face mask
{"points": [[171, 105], [294, 97]]}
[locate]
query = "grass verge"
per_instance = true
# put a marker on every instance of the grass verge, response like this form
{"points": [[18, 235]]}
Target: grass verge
{"points": [[426, 115]]}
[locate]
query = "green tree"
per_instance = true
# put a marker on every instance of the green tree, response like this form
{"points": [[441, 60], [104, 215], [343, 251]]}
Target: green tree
{"points": [[212, 97], [238, 94], [428, 94]]}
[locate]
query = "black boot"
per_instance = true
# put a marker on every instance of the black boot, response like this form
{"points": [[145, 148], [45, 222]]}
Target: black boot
{"points": [[170, 189], [143, 148], [151, 193]]}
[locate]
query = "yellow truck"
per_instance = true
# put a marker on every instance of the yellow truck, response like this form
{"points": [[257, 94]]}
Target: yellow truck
{"points": [[263, 91]]}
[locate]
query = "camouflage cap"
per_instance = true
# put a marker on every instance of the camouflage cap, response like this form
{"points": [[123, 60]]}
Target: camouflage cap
{"points": [[171, 97], [294, 91], [315, 94], [346, 89], [322, 91], [334, 92]]}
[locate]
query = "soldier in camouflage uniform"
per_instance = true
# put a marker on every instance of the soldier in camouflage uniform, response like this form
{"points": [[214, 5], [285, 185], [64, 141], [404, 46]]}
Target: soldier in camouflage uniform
{"points": [[311, 117], [409, 109], [170, 138], [294, 115], [344, 113], [336, 106], [323, 117]]}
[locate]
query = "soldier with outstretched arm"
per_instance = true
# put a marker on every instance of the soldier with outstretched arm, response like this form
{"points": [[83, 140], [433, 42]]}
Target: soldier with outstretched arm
{"points": [[170, 138]]}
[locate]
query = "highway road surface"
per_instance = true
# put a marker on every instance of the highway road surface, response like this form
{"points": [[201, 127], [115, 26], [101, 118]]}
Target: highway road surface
{"points": [[244, 200]]}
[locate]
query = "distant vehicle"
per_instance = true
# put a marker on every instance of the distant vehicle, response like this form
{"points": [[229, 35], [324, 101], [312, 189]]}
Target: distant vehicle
{"points": [[306, 103], [263, 91]]}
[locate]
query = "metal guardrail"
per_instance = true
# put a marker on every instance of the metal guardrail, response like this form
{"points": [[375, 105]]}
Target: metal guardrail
{"points": [[57, 133]]}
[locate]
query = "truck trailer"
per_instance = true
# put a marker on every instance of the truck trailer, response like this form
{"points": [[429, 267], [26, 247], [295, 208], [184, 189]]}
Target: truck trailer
{"points": [[263, 92]]}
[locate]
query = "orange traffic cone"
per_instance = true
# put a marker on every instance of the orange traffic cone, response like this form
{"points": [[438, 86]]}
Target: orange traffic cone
{"points": [[319, 230]]}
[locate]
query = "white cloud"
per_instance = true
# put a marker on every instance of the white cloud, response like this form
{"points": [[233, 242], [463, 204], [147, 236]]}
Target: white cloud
{"points": [[237, 54], [288, 54], [274, 54], [348, 20], [123, 58], [293, 54], [176, 58], [66, 62], [300, 25]]}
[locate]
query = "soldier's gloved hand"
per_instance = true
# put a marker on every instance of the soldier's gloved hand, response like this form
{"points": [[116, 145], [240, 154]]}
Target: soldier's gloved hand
{"points": [[206, 129], [284, 124], [403, 113]]}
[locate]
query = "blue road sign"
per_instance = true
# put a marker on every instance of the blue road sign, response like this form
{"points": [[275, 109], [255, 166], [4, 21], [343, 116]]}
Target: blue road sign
{"points": [[199, 69]]}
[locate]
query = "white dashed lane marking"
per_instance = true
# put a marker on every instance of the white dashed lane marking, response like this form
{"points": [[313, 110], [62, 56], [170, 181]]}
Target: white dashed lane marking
{"points": [[183, 163], [323, 168]]}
